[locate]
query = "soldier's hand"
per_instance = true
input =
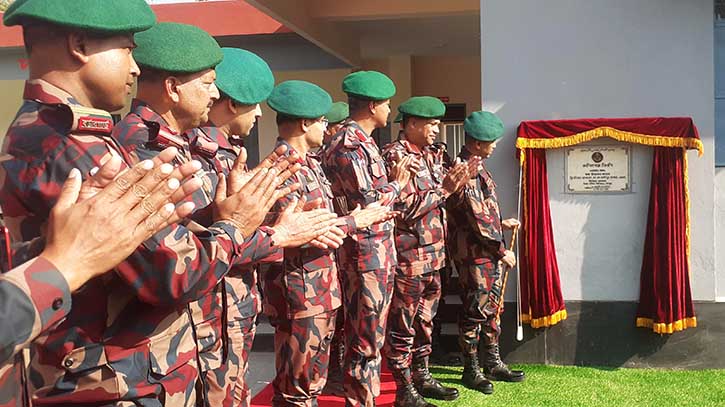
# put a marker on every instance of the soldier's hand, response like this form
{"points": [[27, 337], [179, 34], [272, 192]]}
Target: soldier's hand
{"points": [[86, 239], [510, 223], [456, 178], [371, 215], [509, 259], [247, 208], [332, 239], [240, 174], [400, 171], [101, 177], [295, 227]]}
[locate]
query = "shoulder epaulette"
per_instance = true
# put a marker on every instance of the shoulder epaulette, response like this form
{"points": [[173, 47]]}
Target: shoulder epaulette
{"points": [[351, 138], [161, 137], [88, 120], [205, 147]]}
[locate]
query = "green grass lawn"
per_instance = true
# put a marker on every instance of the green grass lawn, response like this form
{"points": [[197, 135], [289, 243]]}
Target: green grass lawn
{"points": [[559, 386]]}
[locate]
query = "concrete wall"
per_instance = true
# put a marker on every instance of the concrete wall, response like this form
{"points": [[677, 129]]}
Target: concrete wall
{"points": [[720, 232], [456, 77], [620, 58]]}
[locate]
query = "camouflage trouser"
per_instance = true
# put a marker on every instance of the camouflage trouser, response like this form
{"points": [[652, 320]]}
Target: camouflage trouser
{"points": [[480, 292], [410, 322], [367, 301], [302, 354], [227, 385]]}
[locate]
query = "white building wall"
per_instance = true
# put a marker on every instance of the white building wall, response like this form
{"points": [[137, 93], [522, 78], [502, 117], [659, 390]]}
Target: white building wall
{"points": [[619, 58]]}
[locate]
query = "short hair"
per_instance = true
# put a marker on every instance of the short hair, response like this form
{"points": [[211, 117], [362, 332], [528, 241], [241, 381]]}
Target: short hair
{"points": [[355, 103], [283, 119], [152, 74]]}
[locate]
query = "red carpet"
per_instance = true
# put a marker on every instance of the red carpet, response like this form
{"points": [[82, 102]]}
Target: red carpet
{"points": [[386, 398]]}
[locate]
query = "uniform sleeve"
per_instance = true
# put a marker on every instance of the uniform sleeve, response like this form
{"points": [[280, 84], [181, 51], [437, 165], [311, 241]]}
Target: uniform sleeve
{"points": [[470, 202], [355, 175], [177, 265], [33, 298]]}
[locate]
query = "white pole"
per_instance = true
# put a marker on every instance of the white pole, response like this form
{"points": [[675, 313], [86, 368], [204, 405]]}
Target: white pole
{"points": [[519, 326]]}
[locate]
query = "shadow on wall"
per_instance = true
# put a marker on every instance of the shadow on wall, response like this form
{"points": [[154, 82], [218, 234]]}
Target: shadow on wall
{"points": [[613, 235]]}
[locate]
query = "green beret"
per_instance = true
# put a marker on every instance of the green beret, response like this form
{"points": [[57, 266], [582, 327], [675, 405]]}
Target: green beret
{"points": [[244, 76], [426, 107], [101, 16], [177, 48], [338, 112], [300, 99], [370, 85], [483, 126]]}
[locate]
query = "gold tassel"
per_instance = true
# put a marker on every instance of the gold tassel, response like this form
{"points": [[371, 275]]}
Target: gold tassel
{"points": [[619, 135]]}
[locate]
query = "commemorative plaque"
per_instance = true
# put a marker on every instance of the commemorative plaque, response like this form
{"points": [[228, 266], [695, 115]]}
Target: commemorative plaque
{"points": [[598, 169]]}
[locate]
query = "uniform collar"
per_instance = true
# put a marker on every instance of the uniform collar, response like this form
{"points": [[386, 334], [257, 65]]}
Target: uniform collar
{"points": [[290, 149], [409, 147], [42, 91], [217, 136], [146, 113]]}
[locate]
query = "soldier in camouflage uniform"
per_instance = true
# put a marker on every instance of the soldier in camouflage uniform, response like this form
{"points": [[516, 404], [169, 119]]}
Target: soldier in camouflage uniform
{"points": [[37, 295], [336, 117], [420, 245], [126, 339], [353, 164], [302, 292], [244, 80], [477, 247], [144, 132]]}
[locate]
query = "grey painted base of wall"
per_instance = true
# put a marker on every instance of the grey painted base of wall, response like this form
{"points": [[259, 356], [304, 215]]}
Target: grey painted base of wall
{"points": [[594, 334], [604, 334]]}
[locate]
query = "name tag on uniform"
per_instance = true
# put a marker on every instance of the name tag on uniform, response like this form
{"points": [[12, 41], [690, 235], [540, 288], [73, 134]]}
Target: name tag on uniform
{"points": [[311, 183]]}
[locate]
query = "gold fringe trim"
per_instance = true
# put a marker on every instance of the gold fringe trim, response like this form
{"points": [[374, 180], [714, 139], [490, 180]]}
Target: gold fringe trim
{"points": [[619, 135], [662, 328], [546, 321]]}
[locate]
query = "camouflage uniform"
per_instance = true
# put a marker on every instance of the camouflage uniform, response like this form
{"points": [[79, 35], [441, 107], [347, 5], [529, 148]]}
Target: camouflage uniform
{"points": [[420, 243], [357, 171], [35, 297], [477, 245], [145, 133], [225, 363], [302, 295], [126, 339]]}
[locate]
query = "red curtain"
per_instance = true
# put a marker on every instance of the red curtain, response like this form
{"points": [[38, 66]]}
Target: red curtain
{"points": [[542, 303], [665, 302], [665, 299]]}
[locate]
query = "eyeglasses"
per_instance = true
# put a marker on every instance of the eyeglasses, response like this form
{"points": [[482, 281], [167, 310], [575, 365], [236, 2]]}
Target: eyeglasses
{"points": [[325, 122]]}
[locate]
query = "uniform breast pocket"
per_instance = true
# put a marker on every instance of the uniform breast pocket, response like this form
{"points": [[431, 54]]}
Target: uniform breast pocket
{"points": [[172, 351], [423, 182], [377, 168]]}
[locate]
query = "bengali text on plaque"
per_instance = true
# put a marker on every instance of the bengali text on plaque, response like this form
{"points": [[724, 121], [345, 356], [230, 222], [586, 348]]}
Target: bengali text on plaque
{"points": [[598, 169]]}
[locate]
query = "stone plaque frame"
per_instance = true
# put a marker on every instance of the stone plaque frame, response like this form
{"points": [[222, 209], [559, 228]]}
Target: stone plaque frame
{"points": [[618, 150]]}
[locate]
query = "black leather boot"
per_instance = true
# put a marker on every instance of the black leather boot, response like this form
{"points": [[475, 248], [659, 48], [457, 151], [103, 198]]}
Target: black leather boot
{"points": [[428, 386], [495, 369], [473, 378], [405, 393]]}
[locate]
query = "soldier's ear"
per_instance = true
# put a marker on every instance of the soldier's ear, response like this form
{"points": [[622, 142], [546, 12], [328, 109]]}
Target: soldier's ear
{"points": [[231, 106], [171, 87], [371, 107], [77, 44]]}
